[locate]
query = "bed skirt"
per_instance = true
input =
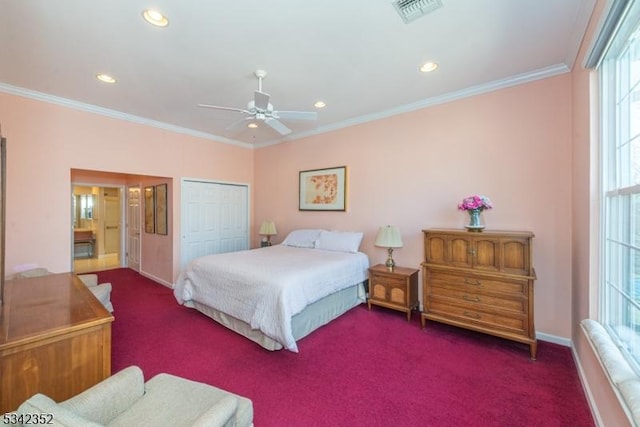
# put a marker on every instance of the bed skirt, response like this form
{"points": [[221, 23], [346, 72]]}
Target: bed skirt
{"points": [[311, 318]]}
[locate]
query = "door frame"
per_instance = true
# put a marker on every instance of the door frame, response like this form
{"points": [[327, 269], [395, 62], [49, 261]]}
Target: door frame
{"points": [[121, 189]]}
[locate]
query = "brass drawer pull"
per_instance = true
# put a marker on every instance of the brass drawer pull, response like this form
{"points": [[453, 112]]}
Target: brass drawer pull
{"points": [[472, 282], [472, 299], [470, 314]]}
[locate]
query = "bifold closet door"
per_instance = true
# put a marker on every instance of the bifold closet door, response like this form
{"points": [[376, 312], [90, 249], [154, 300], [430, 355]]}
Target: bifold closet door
{"points": [[215, 219]]}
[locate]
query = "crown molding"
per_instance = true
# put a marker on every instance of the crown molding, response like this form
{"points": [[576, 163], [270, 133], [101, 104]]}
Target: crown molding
{"points": [[539, 74], [52, 99]]}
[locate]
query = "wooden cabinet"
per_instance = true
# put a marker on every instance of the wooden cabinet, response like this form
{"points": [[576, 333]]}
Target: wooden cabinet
{"points": [[56, 339], [480, 281], [397, 289]]}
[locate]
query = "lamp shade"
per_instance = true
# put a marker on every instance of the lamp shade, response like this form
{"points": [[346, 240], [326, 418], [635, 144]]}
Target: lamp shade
{"points": [[389, 237], [268, 228]]}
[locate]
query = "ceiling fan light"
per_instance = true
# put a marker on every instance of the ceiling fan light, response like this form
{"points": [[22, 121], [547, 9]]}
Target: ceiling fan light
{"points": [[428, 67], [154, 17], [106, 78]]}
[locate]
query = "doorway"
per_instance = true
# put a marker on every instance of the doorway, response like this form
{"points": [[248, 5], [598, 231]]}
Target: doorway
{"points": [[97, 228]]}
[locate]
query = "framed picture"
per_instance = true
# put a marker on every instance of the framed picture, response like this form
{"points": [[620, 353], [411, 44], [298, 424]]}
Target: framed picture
{"points": [[149, 209], [323, 189], [161, 209]]}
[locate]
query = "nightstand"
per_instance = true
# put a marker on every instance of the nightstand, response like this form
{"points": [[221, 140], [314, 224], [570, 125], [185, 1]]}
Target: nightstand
{"points": [[397, 289]]}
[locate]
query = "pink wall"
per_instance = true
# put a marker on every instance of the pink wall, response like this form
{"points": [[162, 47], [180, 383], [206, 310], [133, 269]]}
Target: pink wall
{"points": [[411, 170], [45, 141]]}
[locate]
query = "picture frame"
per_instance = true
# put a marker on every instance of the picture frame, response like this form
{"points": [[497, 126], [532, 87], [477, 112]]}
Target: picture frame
{"points": [[323, 189], [161, 209], [149, 210]]}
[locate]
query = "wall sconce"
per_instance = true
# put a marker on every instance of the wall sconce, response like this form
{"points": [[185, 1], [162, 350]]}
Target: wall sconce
{"points": [[389, 237], [267, 229]]}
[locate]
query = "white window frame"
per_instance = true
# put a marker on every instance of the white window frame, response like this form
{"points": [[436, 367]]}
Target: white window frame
{"points": [[619, 308]]}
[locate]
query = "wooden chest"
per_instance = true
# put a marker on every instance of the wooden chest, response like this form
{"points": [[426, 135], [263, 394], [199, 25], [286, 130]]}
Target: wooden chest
{"points": [[480, 281]]}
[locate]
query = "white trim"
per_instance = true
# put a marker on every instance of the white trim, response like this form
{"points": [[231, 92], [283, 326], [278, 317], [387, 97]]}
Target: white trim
{"points": [[52, 99], [156, 279], [581, 23], [553, 339], [585, 386], [542, 73], [539, 74]]}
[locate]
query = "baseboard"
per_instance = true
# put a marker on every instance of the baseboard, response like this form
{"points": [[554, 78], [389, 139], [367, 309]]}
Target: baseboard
{"points": [[587, 390], [553, 339], [156, 279]]}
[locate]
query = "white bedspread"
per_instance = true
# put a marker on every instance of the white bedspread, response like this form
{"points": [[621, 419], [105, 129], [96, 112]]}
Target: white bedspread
{"points": [[266, 287]]}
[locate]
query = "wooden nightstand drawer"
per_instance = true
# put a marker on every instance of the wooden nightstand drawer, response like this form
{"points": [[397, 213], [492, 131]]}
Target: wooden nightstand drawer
{"points": [[388, 280]]}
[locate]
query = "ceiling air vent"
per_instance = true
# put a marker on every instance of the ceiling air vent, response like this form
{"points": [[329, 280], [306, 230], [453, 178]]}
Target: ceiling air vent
{"points": [[410, 10]]}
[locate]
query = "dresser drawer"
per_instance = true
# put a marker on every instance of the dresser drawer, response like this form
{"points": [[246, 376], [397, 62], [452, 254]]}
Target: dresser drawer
{"points": [[478, 315], [478, 284], [472, 300]]}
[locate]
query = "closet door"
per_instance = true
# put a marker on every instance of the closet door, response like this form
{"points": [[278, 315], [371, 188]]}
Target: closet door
{"points": [[214, 219]]}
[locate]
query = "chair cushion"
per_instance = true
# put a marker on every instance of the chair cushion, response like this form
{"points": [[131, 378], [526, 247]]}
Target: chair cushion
{"points": [[174, 401], [109, 398], [34, 272], [103, 293], [41, 404], [89, 279]]}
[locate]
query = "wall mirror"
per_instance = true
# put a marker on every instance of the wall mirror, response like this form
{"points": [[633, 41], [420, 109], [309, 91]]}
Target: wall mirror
{"points": [[84, 209]]}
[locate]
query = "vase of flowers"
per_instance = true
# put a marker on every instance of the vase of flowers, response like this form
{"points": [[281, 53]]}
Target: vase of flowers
{"points": [[474, 205]]}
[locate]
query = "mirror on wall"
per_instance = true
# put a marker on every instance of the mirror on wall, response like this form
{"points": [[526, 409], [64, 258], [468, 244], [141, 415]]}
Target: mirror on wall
{"points": [[84, 207]]}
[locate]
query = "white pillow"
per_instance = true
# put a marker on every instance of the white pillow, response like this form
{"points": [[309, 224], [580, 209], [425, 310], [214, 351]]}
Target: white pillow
{"points": [[340, 241], [302, 238]]}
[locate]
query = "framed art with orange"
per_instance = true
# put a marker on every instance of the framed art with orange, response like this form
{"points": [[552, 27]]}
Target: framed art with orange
{"points": [[323, 189]]}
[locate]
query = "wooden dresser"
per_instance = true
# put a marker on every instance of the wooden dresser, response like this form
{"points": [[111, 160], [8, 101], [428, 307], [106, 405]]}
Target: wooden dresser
{"points": [[56, 339], [480, 281]]}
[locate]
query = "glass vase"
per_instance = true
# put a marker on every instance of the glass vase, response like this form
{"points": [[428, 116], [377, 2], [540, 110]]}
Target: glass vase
{"points": [[475, 221]]}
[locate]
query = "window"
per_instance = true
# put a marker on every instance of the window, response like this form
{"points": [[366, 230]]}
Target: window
{"points": [[620, 175]]}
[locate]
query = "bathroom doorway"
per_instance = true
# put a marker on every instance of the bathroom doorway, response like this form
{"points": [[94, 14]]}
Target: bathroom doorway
{"points": [[97, 227]]}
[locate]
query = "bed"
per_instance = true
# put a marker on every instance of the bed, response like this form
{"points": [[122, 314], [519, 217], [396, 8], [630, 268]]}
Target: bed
{"points": [[278, 294]]}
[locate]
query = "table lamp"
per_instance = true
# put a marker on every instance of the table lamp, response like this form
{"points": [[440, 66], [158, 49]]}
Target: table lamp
{"points": [[268, 229], [389, 237]]}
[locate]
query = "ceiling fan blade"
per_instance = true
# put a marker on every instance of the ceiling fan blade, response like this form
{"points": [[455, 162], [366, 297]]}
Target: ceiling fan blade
{"points": [[297, 115], [261, 100], [215, 107], [278, 126]]}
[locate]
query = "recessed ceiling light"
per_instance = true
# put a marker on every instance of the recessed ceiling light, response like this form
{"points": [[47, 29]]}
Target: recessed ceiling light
{"points": [[319, 104], [154, 17], [252, 125], [427, 67], [105, 78]]}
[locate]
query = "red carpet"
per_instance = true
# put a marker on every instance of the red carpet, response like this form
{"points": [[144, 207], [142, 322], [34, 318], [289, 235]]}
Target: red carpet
{"points": [[363, 369]]}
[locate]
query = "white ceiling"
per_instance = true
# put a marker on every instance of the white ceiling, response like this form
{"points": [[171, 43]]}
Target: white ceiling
{"points": [[356, 55]]}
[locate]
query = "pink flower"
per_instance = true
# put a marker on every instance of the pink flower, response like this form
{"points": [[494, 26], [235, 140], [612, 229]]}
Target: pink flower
{"points": [[475, 202]]}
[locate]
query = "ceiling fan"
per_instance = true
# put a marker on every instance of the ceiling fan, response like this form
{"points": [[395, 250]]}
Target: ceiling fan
{"points": [[260, 109]]}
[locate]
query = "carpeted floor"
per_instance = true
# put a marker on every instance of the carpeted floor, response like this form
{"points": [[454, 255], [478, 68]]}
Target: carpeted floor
{"points": [[367, 368]]}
